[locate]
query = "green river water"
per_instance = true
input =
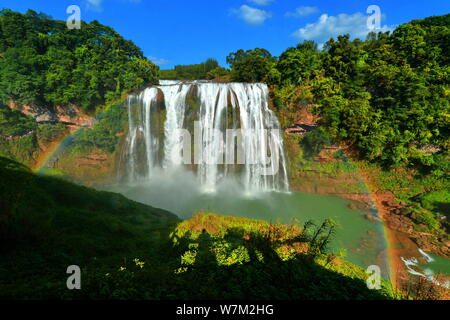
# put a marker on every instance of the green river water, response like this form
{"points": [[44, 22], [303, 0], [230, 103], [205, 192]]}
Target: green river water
{"points": [[363, 239]]}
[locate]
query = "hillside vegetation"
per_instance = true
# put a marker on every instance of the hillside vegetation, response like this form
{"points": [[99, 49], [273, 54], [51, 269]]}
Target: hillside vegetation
{"points": [[129, 250], [387, 96], [22, 138], [47, 224], [384, 100], [44, 63], [207, 70]]}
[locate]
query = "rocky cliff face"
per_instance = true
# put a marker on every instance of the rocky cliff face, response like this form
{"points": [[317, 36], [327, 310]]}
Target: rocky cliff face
{"points": [[86, 164], [70, 115]]}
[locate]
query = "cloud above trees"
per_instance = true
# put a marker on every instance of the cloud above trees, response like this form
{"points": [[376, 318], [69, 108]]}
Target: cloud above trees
{"points": [[331, 26], [252, 16]]}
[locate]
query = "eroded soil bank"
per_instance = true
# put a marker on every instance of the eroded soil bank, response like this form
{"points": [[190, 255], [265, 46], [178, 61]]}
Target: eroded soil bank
{"points": [[349, 180]]}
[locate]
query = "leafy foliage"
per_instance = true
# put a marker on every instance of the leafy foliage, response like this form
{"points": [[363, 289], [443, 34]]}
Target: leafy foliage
{"points": [[205, 70], [390, 95], [18, 135], [315, 141], [128, 250], [386, 96], [15, 123], [256, 65], [44, 63], [47, 224], [217, 73], [219, 257], [104, 133], [299, 64]]}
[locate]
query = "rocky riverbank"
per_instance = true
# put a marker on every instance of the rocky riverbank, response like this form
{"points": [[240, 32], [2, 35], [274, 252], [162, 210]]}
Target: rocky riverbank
{"points": [[392, 212], [349, 180]]}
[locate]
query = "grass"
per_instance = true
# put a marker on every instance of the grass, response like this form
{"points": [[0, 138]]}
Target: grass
{"points": [[28, 136], [342, 175], [127, 250], [24, 149], [221, 257], [31, 138], [103, 134], [438, 201], [426, 197], [48, 224]]}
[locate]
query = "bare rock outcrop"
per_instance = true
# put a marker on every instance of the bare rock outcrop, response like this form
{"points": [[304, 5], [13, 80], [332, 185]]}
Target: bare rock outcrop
{"points": [[70, 115]]}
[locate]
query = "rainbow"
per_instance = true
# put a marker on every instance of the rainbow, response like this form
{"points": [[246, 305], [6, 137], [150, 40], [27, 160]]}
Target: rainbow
{"points": [[390, 258], [390, 261], [55, 148]]}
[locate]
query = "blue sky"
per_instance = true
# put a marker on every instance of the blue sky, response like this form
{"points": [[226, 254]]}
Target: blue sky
{"points": [[174, 32]]}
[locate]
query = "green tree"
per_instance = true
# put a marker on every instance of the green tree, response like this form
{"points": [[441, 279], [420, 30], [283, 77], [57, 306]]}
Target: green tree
{"points": [[195, 71], [299, 64], [256, 65], [315, 141], [217, 73], [44, 63]]}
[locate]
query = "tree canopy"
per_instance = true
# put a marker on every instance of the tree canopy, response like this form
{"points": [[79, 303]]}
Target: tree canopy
{"points": [[387, 95], [208, 69], [42, 62], [253, 66]]}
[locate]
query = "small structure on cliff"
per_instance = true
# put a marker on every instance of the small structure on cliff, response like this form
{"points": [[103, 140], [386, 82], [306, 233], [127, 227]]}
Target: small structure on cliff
{"points": [[299, 129]]}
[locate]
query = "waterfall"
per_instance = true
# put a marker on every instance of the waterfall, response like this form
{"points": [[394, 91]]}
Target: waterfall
{"points": [[216, 130]]}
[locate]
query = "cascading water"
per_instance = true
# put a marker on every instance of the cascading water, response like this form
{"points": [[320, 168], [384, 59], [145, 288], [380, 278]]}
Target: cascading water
{"points": [[229, 127], [154, 169]]}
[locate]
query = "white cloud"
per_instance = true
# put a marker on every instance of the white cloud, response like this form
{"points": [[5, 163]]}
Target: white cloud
{"points": [[252, 16], [261, 2], [95, 5], [332, 26], [302, 12], [158, 61]]}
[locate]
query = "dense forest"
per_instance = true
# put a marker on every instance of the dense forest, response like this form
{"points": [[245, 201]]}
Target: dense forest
{"points": [[44, 63], [387, 96], [384, 99], [128, 250], [207, 70]]}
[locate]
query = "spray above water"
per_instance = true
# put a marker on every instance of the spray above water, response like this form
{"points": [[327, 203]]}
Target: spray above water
{"points": [[153, 168], [218, 131]]}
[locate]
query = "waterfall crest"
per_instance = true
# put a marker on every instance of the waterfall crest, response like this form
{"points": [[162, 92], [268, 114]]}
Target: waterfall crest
{"points": [[216, 130]]}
